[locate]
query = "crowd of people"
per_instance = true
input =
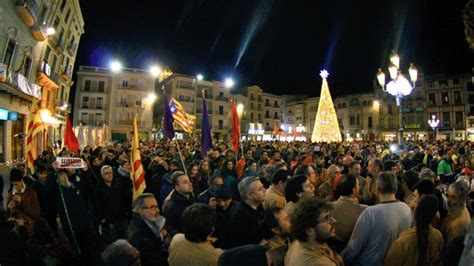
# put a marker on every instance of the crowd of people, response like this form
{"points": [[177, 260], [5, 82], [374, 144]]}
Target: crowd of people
{"points": [[270, 203]]}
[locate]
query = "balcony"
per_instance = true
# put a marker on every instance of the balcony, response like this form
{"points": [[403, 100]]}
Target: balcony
{"points": [[85, 105], [46, 76], [220, 128], [19, 86], [129, 122], [267, 105], [276, 106], [66, 74], [224, 99], [219, 113], [38, 32], [91, 122], [71, 49], [26, 10]]}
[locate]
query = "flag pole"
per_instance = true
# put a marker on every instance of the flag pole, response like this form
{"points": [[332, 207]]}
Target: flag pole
{"points": [[181, 156]]}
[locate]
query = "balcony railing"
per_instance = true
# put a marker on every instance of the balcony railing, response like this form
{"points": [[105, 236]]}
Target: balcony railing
{"points": [[220, 113], [224, 99], [220, 128], [27, 10], [91, 122]]}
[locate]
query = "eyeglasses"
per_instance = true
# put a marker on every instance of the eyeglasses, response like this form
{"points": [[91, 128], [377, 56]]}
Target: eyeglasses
{"points": [[327, 219], [151, 207]]}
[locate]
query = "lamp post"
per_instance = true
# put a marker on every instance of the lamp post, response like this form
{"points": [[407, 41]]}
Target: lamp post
{"points": [[433, 122], [155, 72], [399, 86], [198, 78]]}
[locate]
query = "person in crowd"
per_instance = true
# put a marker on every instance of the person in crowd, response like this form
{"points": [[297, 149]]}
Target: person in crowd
{"points": [[297, 187], [458, 220], [409, 161], [121, 253], [76, 221], [159, 168], [111, 159], [445, 168], [182, 197], [421, 244], [378, 226], [205, 169], [369, 190], [13, 240], [267, 173], [108, 206], [198, 182], [208, 195], [39, 187], [194, 246], [146, 230], [123, 177], [167, 186], [409, 180], [347, 208], [22, 202], [43, 247], [229, 174], [245, 216], [275, 195], [276, 158], [275, 226], [309, 172], [312, 227], [225, 206]]}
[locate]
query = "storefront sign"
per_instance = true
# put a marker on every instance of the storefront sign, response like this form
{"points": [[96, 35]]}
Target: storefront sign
{"points": [[68, 162], [13, 116], [3, 114]]}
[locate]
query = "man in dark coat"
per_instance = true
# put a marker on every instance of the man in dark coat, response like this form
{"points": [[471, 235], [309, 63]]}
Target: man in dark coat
{"points": [[245, 217], [145, 232], [107, 206], [39, 187], [12, 241], [225, 207], [181, 198]]}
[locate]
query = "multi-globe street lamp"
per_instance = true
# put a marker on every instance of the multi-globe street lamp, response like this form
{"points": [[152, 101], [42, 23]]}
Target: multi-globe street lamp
{"points": [[398, 86], [434, 122]]}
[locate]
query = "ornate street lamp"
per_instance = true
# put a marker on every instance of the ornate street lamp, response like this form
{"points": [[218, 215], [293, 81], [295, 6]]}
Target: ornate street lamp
{"points": [[433, 122], [398, 86]]}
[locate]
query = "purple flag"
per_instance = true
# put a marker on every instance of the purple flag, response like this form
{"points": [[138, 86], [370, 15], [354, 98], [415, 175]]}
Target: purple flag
{"points": [[206, 138], [167, 120]]}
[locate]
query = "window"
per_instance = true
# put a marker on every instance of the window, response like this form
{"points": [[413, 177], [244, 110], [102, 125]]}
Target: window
{"points": [[457, 97], [251, 105], [63, 4], [221, 110], [62, 92], [444, 97], [221, 95], [27, 67], [369, 122], [432, 98], [276, 116], [46, 53], [84, 117], [123, 102], [100, 103], [267, 114], [446, 119], [221, 124], [85, 102], [124, 83], [66, 18], [87, 85], [101, 86], [60, 37], [53, 66], [98, 119], [364, 103], [459, 119], [352, 120], [8, 58], [251, 116], [56, 22], [43, 13], [344, 105], [259, 117], [390, 109], [138, 103]]}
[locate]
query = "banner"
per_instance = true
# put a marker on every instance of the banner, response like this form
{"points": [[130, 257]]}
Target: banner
{"points": [[69, 162]]}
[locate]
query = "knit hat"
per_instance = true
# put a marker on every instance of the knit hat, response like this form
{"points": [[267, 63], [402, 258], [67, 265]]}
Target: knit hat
{"points": [[425, 187], [427, 209], [222, 192], [16, 175]]}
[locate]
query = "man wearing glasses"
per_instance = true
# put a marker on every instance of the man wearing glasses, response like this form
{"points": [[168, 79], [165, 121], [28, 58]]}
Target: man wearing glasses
{"points": [[313, 226], [145, 231]]}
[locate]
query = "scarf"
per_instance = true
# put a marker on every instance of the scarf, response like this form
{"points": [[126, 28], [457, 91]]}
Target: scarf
{"points": [[123, 172]]}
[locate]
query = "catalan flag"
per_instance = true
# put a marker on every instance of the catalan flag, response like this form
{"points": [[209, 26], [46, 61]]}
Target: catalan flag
{"points": [[186, 121], [137, 174], [35, 126]]}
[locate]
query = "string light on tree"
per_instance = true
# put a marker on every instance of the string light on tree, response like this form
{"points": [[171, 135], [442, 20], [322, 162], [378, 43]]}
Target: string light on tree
{"points": [[326, 126]]}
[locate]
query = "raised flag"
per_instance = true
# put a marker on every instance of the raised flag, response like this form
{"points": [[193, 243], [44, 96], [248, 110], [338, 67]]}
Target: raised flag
{"points": [[70, 140], [35, 126], [167, 119], [137, 174], [186, 121], [235, 127], [206, 137]]}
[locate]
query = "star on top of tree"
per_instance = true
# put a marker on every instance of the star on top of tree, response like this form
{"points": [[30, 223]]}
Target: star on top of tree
{"points": [[324, 73]]}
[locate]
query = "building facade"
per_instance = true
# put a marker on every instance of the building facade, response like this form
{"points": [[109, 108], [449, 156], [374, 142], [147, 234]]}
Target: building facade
{"points": [[112, 98], [28, 48]]}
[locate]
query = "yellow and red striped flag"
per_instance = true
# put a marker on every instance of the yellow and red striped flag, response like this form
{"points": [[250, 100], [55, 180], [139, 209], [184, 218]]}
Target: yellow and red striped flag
{"points": [[186, 121], [137, 174], [35, 126]]}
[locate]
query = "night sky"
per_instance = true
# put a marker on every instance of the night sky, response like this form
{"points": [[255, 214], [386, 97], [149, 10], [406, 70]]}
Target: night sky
{"points": [[278, 45]]}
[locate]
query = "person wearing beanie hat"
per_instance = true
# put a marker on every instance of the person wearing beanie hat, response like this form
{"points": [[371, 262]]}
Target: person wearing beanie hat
{"points": [[422, 244], [22, 200], [225, 207]]}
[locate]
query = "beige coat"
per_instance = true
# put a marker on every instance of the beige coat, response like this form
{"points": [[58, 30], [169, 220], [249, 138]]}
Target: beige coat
{"points": [[274, 198], [346, 211], [404, 250], [306, 254], [455, 224], [184, 252]]}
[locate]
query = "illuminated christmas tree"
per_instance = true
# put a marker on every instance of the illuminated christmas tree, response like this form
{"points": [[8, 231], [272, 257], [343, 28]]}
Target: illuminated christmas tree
{"points": [[326, 127]]}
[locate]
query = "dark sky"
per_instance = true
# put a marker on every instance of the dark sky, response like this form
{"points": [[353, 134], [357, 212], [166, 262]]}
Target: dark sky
{"points": [[278, 44]]}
